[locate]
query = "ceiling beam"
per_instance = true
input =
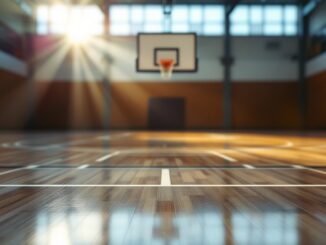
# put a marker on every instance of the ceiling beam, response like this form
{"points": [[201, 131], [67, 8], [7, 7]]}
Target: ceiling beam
{"points": [[311, 6], [231, 5]]}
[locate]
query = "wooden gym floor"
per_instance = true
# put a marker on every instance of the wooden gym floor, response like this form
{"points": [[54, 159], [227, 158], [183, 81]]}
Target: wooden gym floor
{"points": [[162, 188]]}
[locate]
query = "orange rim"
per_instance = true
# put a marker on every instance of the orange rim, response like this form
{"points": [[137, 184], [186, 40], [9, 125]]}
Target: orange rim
{"points": [[166, 64]]}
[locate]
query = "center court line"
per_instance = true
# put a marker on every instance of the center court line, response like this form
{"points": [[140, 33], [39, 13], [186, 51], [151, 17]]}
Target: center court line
{"points": [[156, 185], [165, 177], [221, 155], [108, 156]]}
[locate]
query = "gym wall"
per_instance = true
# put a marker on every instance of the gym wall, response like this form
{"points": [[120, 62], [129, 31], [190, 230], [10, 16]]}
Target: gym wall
{"points": [[316, 77], [13, 85], [256, 66], [265, 91]]}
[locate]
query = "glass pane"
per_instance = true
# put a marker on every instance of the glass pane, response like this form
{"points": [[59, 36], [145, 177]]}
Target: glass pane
{"points": [[136, 28], [240, 29], [119, 13], [196, 14], [76, 14], [58, 28], [42, 13], [196, 28], [273, 29], [291, 14], [290, 29], [153, 27], [240, 14], [256, 29], [93, 14], [120, 29], [75, 18], [273, 14], [256, 14], [180, 27], [153, 14], [42, 28], [97, 29], [213, 29], [59, 14], [137, 14], [213, 13], [180, 14]]}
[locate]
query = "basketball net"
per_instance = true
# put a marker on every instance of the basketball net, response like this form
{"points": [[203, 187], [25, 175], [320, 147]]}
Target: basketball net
{"points": [[166, 67]]}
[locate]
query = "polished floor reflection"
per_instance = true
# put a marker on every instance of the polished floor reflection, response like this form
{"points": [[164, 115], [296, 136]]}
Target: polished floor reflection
{"points": [[157, 215], [162, 188]]}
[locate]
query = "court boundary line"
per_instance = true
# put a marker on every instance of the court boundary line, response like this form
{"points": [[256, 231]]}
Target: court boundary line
{"points": [[307, 168], [159, 185], [222, 155], [89, 166], [106, 157]]}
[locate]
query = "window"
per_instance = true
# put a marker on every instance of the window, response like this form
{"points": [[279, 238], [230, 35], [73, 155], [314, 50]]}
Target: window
{"points": [[202, 19], [213, 20], [273, 21], [290, 20], [153, 19], [264, 20], [42, 15], [246, 20], [205, 20], [62, 19], [179, 19], [240, 21]]}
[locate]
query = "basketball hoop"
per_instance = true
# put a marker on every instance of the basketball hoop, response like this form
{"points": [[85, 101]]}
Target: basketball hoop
{"points": [[166, 67]]}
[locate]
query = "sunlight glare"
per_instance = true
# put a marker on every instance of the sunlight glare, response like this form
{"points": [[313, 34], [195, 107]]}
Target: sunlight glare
{"points": [[79, 34], [79, 30]]}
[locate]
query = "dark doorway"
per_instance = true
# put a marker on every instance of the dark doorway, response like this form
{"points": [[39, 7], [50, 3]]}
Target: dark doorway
{"points": [[166, 113]]}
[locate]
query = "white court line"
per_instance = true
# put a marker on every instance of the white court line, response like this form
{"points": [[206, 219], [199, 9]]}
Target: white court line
{"points": [[221, 155], [156, 185], [298, 166], [173, 168], [109, 137], [317, 171], [248, 166], [29, 167], [307, 168], [165, 177], [12, 171], [83, 166], [107, 156]]}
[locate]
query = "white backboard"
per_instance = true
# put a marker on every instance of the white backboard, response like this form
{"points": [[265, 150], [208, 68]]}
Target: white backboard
{"points": [[151, 47]]}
